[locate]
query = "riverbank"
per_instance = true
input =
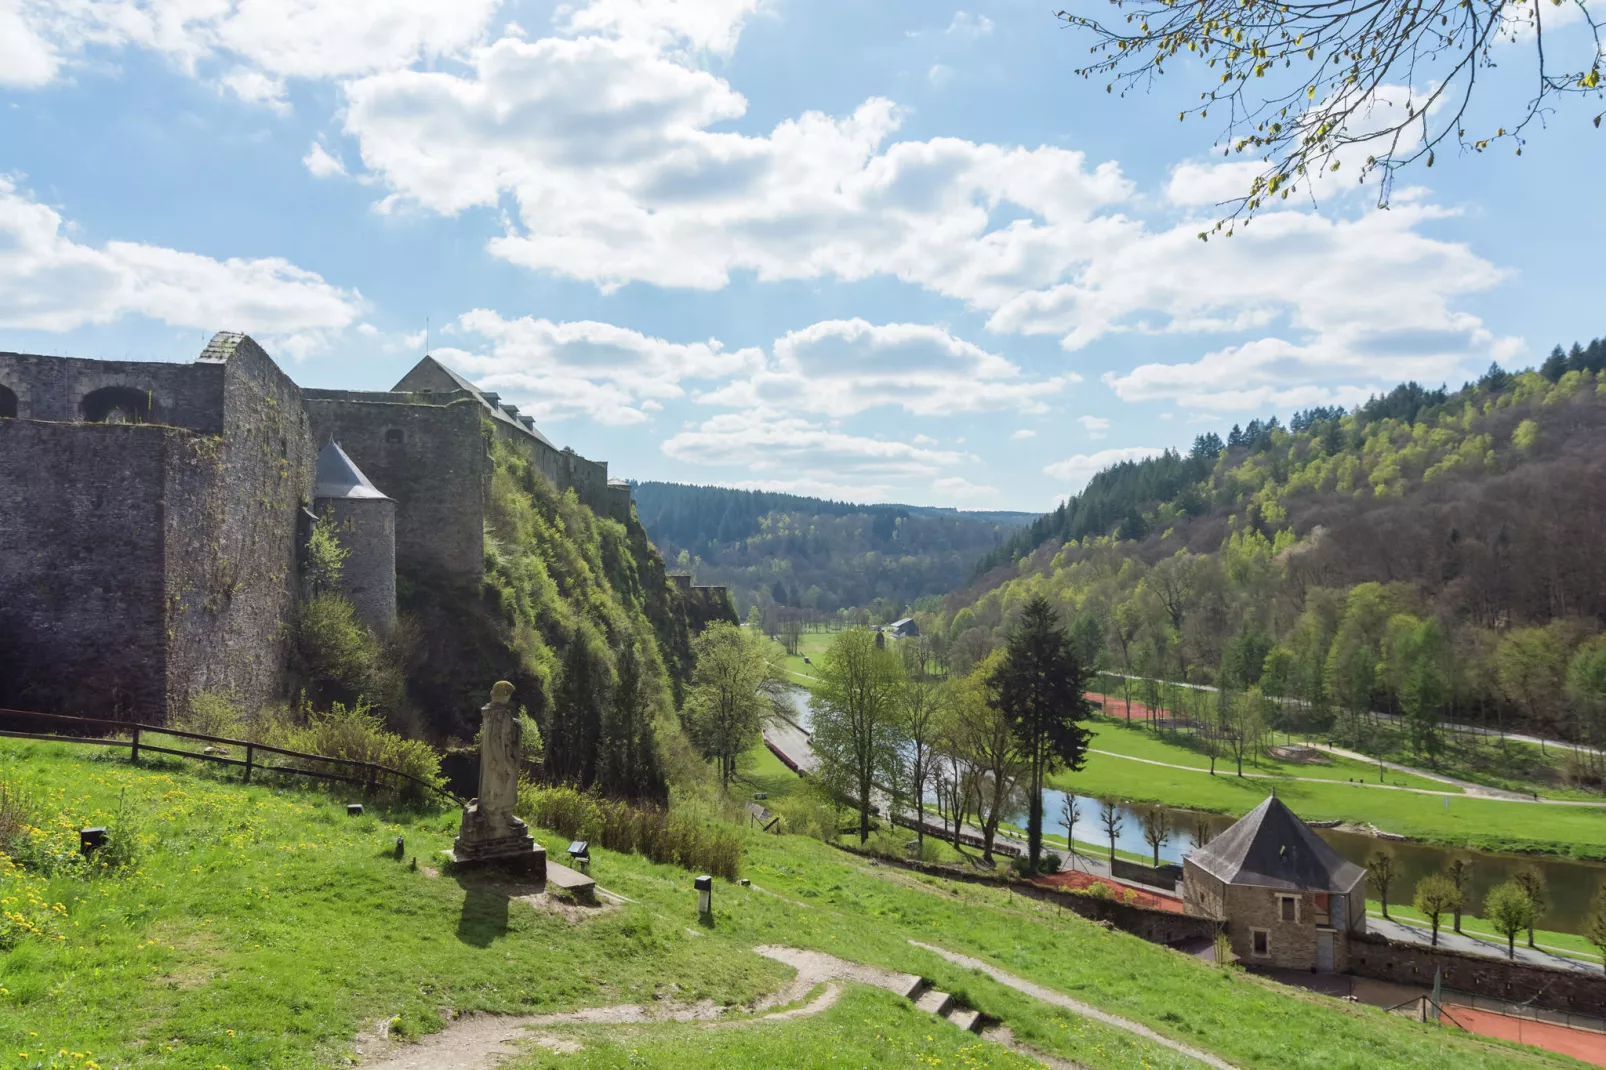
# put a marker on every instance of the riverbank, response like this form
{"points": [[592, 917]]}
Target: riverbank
{"points": [[1132, 764]]}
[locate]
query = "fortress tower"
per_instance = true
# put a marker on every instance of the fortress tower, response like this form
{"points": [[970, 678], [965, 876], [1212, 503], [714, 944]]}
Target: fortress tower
{"points": [[365, 523]]}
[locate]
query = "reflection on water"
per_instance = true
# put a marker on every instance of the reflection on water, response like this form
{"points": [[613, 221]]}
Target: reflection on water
{"points": [[1570, 885]]}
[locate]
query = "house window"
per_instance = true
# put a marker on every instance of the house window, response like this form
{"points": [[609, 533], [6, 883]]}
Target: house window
{"points": [[1260, 942], [394, 436], [1288, 907]]}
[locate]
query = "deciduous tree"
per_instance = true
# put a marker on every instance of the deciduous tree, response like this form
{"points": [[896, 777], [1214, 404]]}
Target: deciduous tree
{"points": [[1436, 895], [734, 686], [858, 719], [1510, 911]]}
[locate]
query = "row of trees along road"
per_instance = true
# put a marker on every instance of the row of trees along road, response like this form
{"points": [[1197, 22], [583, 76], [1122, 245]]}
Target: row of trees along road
{"points": [[886, 724]]}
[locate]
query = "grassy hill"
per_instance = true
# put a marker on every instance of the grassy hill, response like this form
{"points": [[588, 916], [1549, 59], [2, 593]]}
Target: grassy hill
{"points": [[1431, 553], [258, 926]]}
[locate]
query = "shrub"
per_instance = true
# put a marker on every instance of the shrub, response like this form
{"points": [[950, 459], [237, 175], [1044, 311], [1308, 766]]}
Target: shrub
{"points": [[357, 733], [658, 834], [212, 713], [16, 817], [339, 658]]}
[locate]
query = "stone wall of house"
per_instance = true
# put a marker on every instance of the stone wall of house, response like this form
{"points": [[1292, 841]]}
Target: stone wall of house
{"points": [[82, 567], [1290, 944], [430, 459], [1543, 986], [234, 504], [51, 388]]}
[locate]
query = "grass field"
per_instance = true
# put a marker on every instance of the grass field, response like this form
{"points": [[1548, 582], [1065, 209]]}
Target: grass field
{"points": [[1483, 823], [261, 927]]}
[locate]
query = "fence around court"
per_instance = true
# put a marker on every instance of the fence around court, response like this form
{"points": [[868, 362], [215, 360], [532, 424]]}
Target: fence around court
{"points": [[259, 757]]}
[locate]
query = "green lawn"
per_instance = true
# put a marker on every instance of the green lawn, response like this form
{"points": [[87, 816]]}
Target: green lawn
{"points": [[1570, 944], [262, 927], [1483, 823], [812, 645]]}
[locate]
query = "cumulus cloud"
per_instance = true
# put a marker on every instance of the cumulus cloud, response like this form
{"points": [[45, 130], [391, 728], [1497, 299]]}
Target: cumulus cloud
{"points": [[960, 489], [27, 59], [843, 367], [792, 447], [1095, 426], [1023, 433], [50, 282], [1077, 469], [700, 25], [965, 24], [322, 163], [612, 374]]}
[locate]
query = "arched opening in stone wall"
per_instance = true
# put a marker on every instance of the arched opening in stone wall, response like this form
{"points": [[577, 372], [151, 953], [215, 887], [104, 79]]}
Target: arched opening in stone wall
{"points": [[394, 437], [8, 403], [117, 405]]}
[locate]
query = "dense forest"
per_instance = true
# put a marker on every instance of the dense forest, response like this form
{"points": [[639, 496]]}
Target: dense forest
{"points": [[1434, 554], [795, 553]]}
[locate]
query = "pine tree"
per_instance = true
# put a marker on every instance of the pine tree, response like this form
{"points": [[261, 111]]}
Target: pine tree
{"points": [[1041, 687], [574, 723], [627, 760]]}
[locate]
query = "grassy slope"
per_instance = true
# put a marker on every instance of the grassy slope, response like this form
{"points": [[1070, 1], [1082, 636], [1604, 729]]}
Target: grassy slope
{"points": [[263, 928], [1482, 823]]}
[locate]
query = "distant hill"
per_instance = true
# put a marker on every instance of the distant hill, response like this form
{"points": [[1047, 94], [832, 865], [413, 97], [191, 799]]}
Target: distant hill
{"points": [[788, 550], [1432, 551]]}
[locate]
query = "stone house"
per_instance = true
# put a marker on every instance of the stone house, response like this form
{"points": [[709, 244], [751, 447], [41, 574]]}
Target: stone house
{"points": [[1285, 897]]}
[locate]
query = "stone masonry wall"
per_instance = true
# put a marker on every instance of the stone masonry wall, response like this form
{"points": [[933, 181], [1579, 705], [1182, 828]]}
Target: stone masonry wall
{"points": [[51, 388], [431, 460], [366, 528], [82, 626], [231, 537], [1543, 986]]}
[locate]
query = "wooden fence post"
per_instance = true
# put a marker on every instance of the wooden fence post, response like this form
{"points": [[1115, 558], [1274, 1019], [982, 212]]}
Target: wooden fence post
{"points": [[249, 748], [134, 754]]}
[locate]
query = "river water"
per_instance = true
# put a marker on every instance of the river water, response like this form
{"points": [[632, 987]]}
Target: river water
{"points": [[1570, 885]]}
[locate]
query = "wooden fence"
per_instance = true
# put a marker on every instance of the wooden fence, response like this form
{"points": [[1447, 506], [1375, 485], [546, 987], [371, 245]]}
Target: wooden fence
{"points": [[368, 775]]}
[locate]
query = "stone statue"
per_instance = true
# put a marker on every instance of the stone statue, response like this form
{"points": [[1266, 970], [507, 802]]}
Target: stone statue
{"points": [[490, 834]]}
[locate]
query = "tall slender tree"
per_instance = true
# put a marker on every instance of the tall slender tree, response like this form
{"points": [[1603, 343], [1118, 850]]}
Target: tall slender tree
{"points": [[1041, 686], [573, 726], [627, 761], [734, 687], [858, 719]]}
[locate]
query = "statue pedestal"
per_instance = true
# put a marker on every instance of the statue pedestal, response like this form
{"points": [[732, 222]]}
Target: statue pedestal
{"points": [[508, 847]]}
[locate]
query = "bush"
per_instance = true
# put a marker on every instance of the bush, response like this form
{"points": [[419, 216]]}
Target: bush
{"points": [[339, 658], [658, 834], [212, 713], [357, 733], [16, 817]]}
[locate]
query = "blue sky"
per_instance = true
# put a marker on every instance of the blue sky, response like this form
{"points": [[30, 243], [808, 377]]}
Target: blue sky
{"points": [[877, 250]]}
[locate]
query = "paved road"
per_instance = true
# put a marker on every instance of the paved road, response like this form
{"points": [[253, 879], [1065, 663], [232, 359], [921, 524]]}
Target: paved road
{"points": [[1414, 933]]}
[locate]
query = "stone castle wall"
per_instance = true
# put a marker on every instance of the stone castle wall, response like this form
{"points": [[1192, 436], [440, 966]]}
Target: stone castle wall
{"points": [[366, 528], [179, 395], [232, 572], [82, 567], [430, 459]]}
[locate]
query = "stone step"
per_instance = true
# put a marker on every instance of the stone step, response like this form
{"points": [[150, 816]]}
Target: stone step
{"points": [[969, 1021], [575, 883], [910, 986], [934, 1002]]}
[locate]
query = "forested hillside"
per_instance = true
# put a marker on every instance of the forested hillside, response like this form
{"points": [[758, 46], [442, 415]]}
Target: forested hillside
{"points": [[792, 552], [1432, 553]]}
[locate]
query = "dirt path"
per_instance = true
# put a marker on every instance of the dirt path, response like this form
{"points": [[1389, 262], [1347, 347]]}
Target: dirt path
{"points": [[1059, 999]]}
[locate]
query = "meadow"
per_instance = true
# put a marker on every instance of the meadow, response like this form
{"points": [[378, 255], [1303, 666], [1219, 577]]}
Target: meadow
{"points": [[1456, 819], [262, 927]]}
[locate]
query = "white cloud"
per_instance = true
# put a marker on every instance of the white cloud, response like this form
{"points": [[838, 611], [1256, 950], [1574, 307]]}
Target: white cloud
{"points": [[322, 163], [965, 24], [843, 367], [1095, 426], [960, 489], [1078, 469], [260, 42], [367, 329], [939, 74], [608, 373], [1023, 433], [26, 59], [791, 447], [50, 282], [863, 493], [711, 25]]}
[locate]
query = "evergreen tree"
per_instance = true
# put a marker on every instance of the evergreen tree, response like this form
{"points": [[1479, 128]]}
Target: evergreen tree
{"points": [[1041, 687], [1555, 365], [627, 763], [574, 722]]}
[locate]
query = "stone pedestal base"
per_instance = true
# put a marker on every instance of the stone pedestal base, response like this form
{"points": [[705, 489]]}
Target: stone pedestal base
{"points": [[509, 848]]}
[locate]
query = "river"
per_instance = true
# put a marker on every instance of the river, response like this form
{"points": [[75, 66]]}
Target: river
{"points": [[1570, 885]]}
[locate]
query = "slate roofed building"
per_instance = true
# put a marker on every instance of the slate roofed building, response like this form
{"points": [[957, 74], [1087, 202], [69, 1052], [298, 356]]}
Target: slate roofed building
{"points": [[1286, 898], [904, 629]]}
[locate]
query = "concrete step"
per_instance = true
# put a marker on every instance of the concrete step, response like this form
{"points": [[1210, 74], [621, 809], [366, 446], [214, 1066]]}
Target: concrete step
{"points": [[969, 1021], [576, 884], [934, 1002], [911, 986]]}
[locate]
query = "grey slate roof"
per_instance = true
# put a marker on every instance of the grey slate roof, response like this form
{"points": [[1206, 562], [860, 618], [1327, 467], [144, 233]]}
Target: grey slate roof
{"points": [[339, 477], [1270, 847], [491, 400]]}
